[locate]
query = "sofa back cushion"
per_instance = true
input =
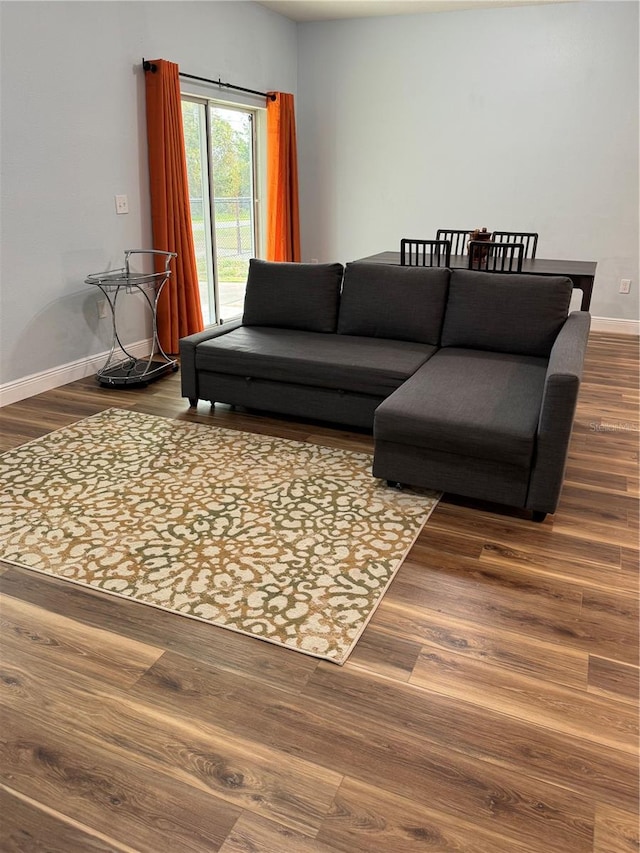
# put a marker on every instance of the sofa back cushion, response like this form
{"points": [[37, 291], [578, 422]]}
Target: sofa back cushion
{"points": [[505, 312], [292, 296], [387, 301]]}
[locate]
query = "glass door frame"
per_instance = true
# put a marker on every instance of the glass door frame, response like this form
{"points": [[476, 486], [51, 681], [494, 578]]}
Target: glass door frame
{"points": [[257, 117]]}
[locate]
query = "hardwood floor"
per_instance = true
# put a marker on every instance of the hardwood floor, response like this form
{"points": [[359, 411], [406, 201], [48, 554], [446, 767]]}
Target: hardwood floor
{"points": [[491, 705]]}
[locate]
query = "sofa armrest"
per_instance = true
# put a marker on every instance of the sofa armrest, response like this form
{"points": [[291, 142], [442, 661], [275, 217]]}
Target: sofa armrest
{"points": [[188, 346], [557, 412]]}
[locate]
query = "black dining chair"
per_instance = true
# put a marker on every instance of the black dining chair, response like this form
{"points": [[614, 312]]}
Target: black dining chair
{"points": [[458, 239], [529, 240], [489, 256], [425, 253]]}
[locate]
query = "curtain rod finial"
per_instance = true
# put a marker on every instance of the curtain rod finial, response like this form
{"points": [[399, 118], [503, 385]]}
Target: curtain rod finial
{"points": [[149, 66]]}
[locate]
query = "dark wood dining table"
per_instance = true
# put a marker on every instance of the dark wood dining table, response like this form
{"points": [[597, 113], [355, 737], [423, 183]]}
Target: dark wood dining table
{"points": [[581, 273]]}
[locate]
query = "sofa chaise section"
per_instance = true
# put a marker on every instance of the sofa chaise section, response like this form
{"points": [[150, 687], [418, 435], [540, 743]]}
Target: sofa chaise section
{"points": [[489, 416], [465, 420]]}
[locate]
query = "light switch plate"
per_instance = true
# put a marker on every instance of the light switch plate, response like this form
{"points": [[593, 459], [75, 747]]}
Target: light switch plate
{"points": [[122, 204]]}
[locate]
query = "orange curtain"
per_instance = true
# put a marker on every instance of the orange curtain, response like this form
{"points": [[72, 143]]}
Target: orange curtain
{"points": [[283, 217], [179, 308]]}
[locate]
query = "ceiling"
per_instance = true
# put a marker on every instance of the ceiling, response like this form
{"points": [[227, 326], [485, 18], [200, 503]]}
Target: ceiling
{"points": [[330, 10]]}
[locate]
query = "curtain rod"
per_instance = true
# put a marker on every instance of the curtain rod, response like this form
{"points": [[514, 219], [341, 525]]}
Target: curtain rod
{"points": [[149, 66]]}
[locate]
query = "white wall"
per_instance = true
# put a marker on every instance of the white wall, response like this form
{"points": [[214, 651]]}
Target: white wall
{"points": [[74, 135], [523, 117], [512, 118]]}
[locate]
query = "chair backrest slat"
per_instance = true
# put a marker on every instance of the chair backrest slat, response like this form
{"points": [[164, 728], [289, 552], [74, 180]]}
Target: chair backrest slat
{"points": [[458, 239], [529, 239], [490, 256], [425, 253]]}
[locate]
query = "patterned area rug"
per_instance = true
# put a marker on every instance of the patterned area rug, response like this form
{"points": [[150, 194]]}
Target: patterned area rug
{"points": [[289, 542]]}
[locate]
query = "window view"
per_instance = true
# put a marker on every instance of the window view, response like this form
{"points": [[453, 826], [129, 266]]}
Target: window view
{"points": [[219, 143]]}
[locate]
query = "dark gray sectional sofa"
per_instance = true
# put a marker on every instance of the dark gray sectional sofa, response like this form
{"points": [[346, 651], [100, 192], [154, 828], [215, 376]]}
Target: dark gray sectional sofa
{"points": [[469, 380]]}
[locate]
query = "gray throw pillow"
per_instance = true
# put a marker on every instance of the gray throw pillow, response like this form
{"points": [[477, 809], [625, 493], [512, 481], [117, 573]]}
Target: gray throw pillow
{"points": [[389, 301], [505, 312], [292, 296]]}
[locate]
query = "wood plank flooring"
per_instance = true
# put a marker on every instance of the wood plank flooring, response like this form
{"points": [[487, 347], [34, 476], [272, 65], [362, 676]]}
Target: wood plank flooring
{"points": [[491, 705]]}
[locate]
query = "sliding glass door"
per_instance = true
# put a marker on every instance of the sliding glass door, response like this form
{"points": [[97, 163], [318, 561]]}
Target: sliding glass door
{"points": [[220, 144]]}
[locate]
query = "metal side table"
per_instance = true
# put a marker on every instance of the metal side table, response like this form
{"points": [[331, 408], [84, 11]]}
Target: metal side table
{"points": [[122, 368]]}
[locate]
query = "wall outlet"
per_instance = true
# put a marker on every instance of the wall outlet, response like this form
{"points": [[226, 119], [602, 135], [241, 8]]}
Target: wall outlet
{"points": [[122, 204], [625, 285], [102, 309]]}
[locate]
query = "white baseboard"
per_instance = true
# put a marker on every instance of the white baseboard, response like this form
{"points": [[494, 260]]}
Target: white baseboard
{"points": [[20, 389], [618, 327], [28, 386]]}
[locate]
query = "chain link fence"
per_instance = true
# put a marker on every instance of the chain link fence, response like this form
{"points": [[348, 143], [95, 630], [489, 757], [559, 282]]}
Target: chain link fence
{"points": [[233, 226]]}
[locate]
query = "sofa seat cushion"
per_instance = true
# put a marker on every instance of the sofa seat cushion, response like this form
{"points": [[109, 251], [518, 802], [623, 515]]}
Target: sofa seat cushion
{"points": [[365, 365], [470, 403]]}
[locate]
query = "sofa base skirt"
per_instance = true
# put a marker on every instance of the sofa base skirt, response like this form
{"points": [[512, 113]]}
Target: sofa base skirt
{"points": [[482, 479], [304, 401]]}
